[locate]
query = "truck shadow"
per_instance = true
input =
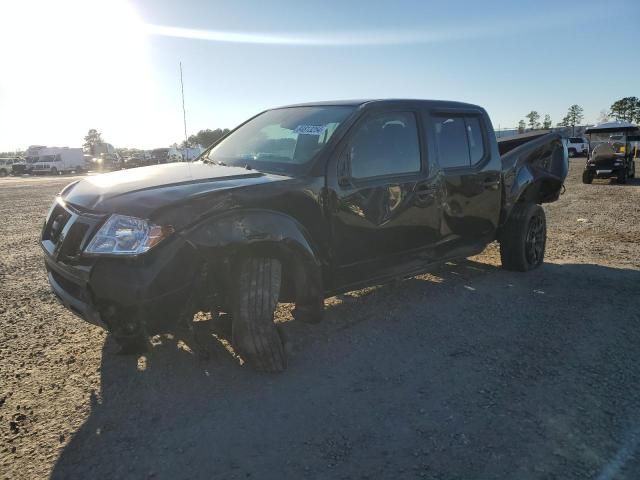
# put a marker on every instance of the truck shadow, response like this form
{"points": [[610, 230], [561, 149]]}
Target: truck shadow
{"points": [[468, 361]]}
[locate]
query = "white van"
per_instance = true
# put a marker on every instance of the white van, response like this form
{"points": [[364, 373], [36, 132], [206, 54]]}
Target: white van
{"points": [[56, 160]]}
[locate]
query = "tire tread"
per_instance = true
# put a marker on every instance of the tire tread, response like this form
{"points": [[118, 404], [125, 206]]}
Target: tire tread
{"points": [[255, 334]]}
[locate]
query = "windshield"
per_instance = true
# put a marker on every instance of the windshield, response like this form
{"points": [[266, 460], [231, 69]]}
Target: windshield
{"points": [[606, 137], [281, 140]]}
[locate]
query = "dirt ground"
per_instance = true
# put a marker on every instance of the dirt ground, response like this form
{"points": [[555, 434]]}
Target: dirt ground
{"points": [[471, 372]]}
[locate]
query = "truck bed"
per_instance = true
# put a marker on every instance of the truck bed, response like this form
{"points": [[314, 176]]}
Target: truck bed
{"points": [[507, 144], [534, 167]]}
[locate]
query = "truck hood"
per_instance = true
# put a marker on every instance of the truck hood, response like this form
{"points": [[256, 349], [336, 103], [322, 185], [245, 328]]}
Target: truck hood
{"points": [[142, 191]]}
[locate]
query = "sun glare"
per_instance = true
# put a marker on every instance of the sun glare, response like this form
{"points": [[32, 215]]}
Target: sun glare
{"points": [[72, 63]]}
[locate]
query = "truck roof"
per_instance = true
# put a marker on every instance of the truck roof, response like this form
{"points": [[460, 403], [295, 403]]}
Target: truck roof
{"points": [[361, 102]]}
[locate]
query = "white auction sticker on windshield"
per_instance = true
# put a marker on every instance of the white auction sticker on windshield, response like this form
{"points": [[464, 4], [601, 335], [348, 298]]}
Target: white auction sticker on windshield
{"points": [[310, 129]]}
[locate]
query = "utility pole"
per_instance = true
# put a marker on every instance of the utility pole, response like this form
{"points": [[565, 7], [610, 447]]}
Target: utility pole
{"points": [[184, 113]]}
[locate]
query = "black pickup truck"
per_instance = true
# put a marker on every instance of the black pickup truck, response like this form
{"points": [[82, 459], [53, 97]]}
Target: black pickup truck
{"points": [[297, 204]]}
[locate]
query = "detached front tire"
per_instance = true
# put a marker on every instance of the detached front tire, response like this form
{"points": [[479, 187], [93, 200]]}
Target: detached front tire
{"points": [[254, 333], [523, 238]]}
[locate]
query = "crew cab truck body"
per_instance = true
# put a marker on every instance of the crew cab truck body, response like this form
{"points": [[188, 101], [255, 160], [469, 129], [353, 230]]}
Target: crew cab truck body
{"points": [[295, 205]]}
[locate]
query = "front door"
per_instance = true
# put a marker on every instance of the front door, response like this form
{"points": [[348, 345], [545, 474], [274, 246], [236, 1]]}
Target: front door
{"points": [[385, 209]]}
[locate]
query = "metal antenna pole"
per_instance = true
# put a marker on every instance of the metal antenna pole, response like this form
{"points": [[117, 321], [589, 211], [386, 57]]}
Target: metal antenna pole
{"points": [[184, 112]]}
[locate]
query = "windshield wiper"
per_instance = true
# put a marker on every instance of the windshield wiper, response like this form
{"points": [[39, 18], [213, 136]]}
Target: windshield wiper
{"points": [[214, 162]]}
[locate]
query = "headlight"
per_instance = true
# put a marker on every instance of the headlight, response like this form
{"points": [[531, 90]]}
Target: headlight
{"points": [[122, 235]]}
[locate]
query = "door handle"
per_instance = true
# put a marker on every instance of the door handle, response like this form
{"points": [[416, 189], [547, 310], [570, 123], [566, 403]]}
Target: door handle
{"points": [[491, 183]]}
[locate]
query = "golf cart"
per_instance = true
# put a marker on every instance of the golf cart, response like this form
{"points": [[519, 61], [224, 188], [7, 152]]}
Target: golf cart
{"points": [[611, 151]]}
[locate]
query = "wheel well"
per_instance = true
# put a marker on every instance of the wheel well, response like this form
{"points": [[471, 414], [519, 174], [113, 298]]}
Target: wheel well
{"points": [[225, 261], [542, 191]]}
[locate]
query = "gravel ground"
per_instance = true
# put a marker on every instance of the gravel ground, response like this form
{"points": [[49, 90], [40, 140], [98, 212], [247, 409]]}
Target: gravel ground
{"points": [[468, 373]]}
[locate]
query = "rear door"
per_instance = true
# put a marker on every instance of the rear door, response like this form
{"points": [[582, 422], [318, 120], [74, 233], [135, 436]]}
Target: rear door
{"points": [[384, 211], [471, 169]]}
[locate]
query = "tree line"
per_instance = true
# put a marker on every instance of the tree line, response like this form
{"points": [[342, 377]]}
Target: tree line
{"points": [[573, 117], [627, 109], [206, 137]]}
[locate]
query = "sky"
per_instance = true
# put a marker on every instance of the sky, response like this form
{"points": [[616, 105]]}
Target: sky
{"points": [[70, 65]]}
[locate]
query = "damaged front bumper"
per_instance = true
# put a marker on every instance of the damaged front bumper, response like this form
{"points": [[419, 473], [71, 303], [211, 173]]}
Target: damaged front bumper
{"points": [[150, 290], [73, 301]]}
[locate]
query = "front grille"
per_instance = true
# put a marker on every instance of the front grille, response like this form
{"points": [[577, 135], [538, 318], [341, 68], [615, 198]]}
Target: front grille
{"points": [[56, 223], [67, 230], [72, 242]]}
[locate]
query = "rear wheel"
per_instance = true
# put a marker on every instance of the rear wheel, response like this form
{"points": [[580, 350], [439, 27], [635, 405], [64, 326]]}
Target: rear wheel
{"points": [[632, 170], [523, 238], [54, 171], [572, 152], [254, 333], [587, 177], [3, 172]]}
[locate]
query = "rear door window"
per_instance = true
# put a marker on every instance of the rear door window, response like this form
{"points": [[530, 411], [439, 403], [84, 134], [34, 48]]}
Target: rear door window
{"points": [[475, 138], [459, 140]]}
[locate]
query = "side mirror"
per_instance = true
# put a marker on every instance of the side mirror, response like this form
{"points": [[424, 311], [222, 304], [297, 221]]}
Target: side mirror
{"points": [[344, 169]]}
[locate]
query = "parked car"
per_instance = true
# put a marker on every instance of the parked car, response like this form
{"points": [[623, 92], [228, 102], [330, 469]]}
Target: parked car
{"points": [[606, 162], [6, 166], [56, 160], [133, 161], [105, 162], [613, 152], [21, 166], [577, 146], [159, 155], [337, 196]]}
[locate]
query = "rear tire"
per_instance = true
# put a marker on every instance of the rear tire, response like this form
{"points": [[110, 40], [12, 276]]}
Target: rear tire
{"points": [[587, 177], [572, 152], [523, 238], [254, 334], [54, 171], [3, 172]]}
